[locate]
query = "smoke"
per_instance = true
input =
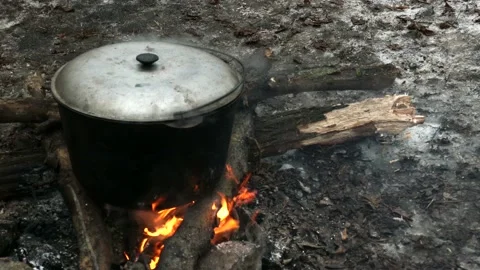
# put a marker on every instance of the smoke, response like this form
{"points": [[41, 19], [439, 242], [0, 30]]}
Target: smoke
{"points": [[256, 65]]}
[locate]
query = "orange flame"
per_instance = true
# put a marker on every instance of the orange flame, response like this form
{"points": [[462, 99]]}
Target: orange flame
{"points": [[143, 244], [254, 216], [126, 256], [226, 223], [165, 225], [156, 257], [167, 221], [157, 202], [244, 196], [230, 175]]}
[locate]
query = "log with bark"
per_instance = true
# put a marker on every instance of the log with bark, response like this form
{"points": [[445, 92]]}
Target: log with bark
{"points": [[21, 174], [266, 136], [277, 83], [278, 133]]}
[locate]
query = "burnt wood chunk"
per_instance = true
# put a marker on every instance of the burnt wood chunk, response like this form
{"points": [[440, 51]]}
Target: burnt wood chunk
{"points": [[373, 78], [28, 110], [21, 174], [278, 133]]}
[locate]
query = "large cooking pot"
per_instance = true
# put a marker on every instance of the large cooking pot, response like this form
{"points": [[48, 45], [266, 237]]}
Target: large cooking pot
{"points": [[148, 120]]}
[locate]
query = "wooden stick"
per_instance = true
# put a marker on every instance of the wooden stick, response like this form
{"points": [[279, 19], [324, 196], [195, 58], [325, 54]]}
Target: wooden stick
{"points": [[375, 77], [333, 125], [28, 110], [92, 235]]}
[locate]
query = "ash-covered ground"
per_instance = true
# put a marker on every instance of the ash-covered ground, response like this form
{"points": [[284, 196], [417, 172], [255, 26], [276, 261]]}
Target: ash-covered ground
{"points": [[409, 202]]}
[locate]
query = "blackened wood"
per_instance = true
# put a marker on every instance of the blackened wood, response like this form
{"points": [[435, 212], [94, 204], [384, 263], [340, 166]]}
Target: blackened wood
{"points": [[278, 133], [92, 235], [375, 77], [21, 174], [28, 110]]}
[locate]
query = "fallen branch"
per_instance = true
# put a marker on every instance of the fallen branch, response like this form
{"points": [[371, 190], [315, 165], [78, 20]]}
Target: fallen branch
{"points": [[375, 77], [28, 110], [333, 125]]}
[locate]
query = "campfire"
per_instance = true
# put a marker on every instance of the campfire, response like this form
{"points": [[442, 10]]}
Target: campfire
{"points": [[164, 223], [202, 234]]}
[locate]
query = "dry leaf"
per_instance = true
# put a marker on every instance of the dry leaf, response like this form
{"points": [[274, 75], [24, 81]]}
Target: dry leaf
{"points": [[372, 200], [340, 250], [344, 234], [35, 85], [268, 52]]}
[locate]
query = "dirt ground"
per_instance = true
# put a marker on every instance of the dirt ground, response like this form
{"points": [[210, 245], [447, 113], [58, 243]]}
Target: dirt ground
{"points": [[405, 202]]}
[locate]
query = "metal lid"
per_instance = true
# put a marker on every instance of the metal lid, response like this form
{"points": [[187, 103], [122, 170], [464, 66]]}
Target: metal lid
{"points": [[148, 81]]}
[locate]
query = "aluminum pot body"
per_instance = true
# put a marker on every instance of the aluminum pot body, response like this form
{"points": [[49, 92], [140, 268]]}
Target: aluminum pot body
{"points": [[128, 164]]}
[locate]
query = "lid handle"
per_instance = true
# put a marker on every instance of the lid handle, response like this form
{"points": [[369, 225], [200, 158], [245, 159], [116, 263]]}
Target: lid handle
{"points": [[147, 59]]}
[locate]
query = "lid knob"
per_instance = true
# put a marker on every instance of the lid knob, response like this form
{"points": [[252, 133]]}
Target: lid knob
{"points": [[147, 59]]}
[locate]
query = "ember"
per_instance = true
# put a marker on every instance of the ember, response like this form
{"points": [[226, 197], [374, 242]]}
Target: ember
{"points": [[244, 196]]}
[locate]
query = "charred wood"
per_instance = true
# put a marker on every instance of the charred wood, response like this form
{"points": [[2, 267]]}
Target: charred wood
{"points": [[376, 77], [190, 247], [333, 125], [21, 174], [7, 264], [93, 237], [8, 234], [28, 110]]}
